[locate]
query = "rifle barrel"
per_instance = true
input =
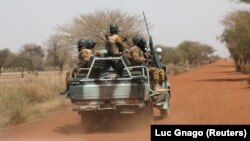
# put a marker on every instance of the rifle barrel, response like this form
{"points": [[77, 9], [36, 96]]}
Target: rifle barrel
{"points": [[146, 23]]}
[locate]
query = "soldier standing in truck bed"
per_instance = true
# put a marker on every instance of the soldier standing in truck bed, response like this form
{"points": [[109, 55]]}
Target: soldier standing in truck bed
{"points": [[115, 46], [137, 58], [115, 43]]}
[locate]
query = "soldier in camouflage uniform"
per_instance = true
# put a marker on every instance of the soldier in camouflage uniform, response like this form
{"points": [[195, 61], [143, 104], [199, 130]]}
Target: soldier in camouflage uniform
{"points": [[115, 43], [81, 44], [87, 52], [115, 46], [137, 53]]}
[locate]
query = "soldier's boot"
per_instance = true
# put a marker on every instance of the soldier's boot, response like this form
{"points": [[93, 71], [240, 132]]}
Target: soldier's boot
{"points": [[158, 88]]}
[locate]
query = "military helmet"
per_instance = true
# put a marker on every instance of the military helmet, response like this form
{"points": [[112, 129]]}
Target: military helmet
{"points": [[81, 43], [137, 39], [90, 44], [113, 28]]}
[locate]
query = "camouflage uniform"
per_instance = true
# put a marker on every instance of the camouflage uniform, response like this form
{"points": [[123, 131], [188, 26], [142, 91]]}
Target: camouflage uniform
{"points": [[116, 45], [85, 55], [86, 51], [137, 58]]}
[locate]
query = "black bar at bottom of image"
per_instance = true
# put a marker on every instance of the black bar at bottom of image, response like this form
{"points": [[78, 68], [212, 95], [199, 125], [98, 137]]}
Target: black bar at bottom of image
{"points": [[200, 132]]}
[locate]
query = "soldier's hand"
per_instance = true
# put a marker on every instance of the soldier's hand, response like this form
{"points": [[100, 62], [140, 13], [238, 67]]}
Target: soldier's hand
{"points": [[148, 55], [149, 60]]}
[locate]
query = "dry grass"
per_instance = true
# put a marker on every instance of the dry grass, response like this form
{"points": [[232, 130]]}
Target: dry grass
{"points": [[29, 98]]}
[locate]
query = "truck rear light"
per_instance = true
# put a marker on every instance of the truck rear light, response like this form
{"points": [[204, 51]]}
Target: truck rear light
{"points": [[132, 101], [82, 102]]}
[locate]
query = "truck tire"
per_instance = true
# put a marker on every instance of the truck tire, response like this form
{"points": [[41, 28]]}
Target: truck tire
{"points": [[87, 121], [164, 113], [147, 114]]}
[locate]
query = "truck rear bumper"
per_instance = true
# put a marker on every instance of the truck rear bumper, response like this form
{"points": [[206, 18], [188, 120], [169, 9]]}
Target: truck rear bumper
{"points": [[121, 107]]}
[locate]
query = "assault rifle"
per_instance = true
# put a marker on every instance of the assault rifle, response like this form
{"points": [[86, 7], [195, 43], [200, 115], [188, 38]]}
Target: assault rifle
{"points": [[155, 57]]}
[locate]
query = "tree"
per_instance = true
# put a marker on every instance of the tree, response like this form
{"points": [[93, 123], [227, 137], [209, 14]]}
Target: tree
{"points": [[4, 55], [192, 50], [196, 52], [173, 55], [236, 35], [206, 53], [58, 52], [19, 62], [33, 55], [95, 26]]}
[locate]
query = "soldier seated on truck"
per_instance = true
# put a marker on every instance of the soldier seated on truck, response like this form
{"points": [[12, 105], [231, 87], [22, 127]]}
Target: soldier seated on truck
{"points": [[137, 53], [86, 51], [80, 44]]}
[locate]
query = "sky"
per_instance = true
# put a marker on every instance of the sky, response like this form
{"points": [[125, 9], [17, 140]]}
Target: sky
{"points": [[33, 21]]}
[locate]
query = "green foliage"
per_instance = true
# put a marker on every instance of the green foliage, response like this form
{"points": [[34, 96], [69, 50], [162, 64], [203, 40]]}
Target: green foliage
{"points": [[31, 57], [5, 54], [236, 35], [187, 53], [196, 52], [173, 55]]}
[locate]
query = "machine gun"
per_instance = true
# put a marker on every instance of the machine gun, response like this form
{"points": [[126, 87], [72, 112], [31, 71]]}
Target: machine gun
{"points": [[155, 57]]}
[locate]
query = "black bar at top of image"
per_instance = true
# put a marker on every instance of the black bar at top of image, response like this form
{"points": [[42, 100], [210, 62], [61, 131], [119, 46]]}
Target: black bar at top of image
{"points": [[200, 132]]}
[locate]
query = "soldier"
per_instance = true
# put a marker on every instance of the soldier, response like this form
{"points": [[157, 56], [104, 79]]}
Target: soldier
{"points": [[137, 53], [115, 46], [87, 52], [80, 44], [115, 43]]}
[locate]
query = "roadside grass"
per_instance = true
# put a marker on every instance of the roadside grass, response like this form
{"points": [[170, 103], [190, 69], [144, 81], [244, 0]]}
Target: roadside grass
{"points": [[30, 98]]}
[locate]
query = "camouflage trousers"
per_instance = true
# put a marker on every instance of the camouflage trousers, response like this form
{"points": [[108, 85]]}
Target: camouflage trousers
{"points": [[157, 74]]}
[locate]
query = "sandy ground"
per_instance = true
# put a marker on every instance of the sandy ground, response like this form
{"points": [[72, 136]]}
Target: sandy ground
{"points": [[211, 94]]}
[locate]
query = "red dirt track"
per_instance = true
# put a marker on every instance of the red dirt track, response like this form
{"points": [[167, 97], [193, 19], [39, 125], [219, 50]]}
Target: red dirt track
{"points": [[211, 94]]}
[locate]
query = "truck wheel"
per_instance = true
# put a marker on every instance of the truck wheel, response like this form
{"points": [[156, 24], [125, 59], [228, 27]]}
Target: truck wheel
{"points": [[147, 113], [164, 113], [86, 122]]}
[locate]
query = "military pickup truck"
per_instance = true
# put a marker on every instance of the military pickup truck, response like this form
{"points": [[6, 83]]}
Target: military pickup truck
{"points": [[96, 93]]}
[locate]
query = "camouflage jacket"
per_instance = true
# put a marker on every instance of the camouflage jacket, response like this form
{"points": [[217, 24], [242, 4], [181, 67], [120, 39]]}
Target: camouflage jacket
{"points": [[85, 55], [136, 56], [116, 44]]}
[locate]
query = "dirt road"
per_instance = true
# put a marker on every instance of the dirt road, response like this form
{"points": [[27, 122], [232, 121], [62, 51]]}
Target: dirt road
{"points": [[211, 94]]}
